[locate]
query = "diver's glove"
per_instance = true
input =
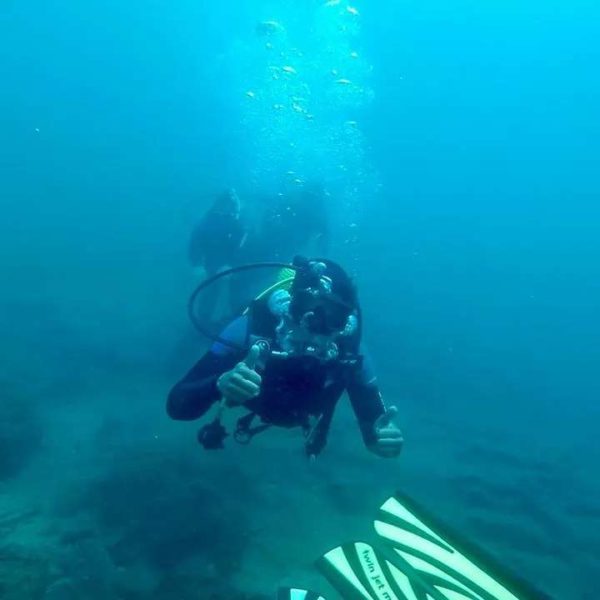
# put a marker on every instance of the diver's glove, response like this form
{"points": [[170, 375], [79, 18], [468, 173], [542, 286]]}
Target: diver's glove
{"points": [[242, 383], [388, 440]]}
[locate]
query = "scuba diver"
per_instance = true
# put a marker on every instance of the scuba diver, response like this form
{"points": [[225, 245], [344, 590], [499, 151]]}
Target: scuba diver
{"points": [[218, 237], [288, 360], [295, 221], [217, 242]]}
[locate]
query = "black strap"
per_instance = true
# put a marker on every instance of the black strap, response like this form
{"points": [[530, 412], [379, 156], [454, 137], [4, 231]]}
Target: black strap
{"points": [[316, 438], [244, 432]]}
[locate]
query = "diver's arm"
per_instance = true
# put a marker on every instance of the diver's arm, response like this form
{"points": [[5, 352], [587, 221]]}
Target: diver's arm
{"points": [[200, 241], [380, 434], [197, 391], [196, 248], [365, 397], [368, 406]]}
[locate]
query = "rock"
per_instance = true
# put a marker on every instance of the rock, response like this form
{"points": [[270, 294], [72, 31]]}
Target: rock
{"points": [[63, 589], [20, 431]]}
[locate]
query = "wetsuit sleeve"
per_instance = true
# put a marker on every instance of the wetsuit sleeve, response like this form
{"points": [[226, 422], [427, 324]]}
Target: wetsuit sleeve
{"points": [[197, 391], [366, 400]]}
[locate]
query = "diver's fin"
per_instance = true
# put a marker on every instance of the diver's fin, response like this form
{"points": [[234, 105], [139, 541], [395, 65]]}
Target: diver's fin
{"points": [[297, 594], [417, 558], [359, 571], [442, 559]]}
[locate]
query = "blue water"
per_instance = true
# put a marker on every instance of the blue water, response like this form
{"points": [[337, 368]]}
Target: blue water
{"points": [[460, 143]]}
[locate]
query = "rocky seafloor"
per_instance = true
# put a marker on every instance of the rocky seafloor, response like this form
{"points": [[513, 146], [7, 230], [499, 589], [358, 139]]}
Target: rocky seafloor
{"points": [[101, 497]]}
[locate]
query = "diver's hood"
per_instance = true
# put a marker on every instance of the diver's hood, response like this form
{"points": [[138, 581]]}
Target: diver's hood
{"points": [[316, 302], [321, 298]]}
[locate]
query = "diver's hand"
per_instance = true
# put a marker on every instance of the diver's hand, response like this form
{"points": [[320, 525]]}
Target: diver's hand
{"points": [[388, 437], [242, 383]]}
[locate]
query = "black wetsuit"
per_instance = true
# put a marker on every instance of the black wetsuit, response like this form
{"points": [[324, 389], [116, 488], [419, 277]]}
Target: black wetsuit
{"points": [[290, 225], [293, 391], [216, 241]]}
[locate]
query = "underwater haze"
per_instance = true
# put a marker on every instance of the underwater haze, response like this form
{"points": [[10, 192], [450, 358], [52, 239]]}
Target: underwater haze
{"points": [[460, 146]]}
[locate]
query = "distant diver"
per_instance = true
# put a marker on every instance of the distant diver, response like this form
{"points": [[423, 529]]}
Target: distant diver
{"points": [[217, 242], [267, 28], [288, 360], [295, 221]]}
